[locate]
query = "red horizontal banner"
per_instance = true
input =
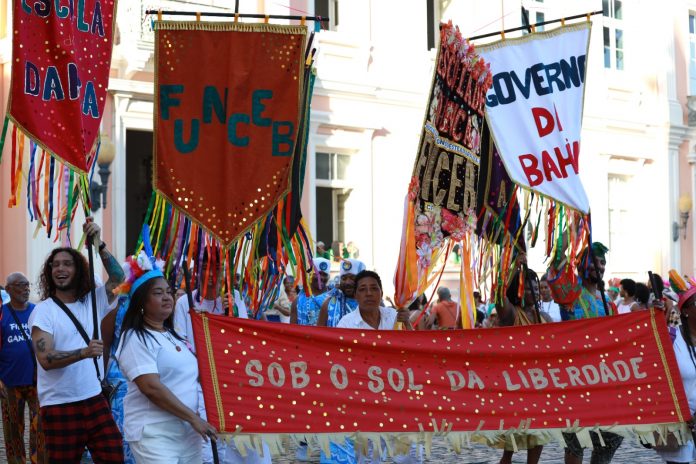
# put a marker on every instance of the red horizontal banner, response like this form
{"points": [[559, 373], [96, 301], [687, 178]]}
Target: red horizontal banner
{"points": [[277, 378]]}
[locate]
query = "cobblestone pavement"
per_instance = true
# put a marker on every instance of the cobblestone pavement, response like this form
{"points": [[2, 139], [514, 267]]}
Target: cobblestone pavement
{"points": [[630, 453]]}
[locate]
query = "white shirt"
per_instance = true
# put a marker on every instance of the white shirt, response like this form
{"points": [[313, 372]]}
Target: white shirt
{"points": [[685, 453], [78, 381], [177, 369], [182, 318], [625, 308], [552, 309], [354, 320]]}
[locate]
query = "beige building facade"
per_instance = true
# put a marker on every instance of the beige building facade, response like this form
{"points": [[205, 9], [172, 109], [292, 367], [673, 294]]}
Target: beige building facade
{"points": [[374, 68]]}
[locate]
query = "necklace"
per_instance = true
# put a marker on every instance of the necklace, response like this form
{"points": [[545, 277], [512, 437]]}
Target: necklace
{"points": [[169, 337]]}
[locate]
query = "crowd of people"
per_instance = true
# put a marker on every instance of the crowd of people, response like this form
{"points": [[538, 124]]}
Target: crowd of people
{"points": [[109, 369]]}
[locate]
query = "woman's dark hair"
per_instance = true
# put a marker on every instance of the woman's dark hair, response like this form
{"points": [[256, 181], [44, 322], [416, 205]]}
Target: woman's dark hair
{"points": [[686, 332], [659, 283], [629, 286], [418, 303], [134, 319], [686, 335], [364, 274], [80, 281], [511, 291], [642, 293]]}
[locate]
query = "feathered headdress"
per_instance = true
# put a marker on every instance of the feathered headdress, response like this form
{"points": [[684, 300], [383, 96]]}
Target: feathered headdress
{"points": [[684, 287], [139, 269]]}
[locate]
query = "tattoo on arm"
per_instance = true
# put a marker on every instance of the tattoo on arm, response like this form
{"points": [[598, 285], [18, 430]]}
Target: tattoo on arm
{"points": [[41, 345], [113, 269], [59, 355]]}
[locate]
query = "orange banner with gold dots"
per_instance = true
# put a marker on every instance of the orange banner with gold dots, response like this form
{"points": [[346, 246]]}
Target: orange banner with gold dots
{"points": [[228, 102]]}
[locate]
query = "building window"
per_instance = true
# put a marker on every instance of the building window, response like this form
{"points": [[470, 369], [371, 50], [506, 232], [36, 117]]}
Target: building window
{"points": [[332, 166], [333, 189], [692, 54], [613, 34], [327, 9], [540, 18], [620, 199], [331, 217]]}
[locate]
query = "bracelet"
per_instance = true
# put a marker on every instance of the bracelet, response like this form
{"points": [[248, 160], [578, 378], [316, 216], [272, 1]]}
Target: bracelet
{"points": [[102, 246]]}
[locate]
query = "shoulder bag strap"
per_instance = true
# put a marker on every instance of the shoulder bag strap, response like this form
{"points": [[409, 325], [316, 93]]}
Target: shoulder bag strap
{"points": [[24, 335], [79, 329]]}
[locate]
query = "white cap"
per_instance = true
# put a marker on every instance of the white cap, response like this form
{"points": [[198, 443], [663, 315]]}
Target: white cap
{"points": [[322, 264], [351, 266]]}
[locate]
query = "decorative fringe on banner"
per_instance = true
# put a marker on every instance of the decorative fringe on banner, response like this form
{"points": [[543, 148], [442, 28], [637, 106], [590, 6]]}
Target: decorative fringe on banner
{"points": [[490, 260], [399, 443], [495, 252], [54, 190], [178, 241]]}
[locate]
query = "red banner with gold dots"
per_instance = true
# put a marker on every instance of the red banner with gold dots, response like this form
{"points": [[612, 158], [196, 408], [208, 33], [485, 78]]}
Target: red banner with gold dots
{"points": [[228, 102], [614, 372], [61, 56]]}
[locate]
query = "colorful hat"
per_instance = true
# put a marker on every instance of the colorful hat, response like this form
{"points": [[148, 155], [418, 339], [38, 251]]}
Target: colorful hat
{"points": [[322, 264], [141, 268], [684, 287], [351, 266], [599, 250], [138, 270]]}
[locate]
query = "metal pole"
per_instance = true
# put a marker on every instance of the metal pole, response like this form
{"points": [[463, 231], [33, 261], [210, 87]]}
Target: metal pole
{"points": [[232, 15], [522, 28], [189, 296]]}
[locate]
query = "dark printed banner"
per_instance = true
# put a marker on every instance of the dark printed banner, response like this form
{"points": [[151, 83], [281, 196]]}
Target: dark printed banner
{"points": [[61, 56], [447, 165], [441, 204], [261, 377], [497, 201]]}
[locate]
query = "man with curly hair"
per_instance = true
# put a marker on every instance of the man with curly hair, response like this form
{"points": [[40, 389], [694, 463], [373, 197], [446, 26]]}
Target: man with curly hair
{"points": [[73, 411]]}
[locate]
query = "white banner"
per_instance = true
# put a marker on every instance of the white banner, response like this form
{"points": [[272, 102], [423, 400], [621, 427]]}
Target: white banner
{"points": [[534, 109]]}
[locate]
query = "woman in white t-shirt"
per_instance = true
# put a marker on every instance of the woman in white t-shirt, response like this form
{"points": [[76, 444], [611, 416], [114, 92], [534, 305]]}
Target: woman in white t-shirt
{"points": [[161, 422], [684, 345]]}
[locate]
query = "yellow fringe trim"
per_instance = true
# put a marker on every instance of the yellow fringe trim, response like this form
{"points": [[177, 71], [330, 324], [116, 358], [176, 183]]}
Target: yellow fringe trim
{"points": [[399, 443]]}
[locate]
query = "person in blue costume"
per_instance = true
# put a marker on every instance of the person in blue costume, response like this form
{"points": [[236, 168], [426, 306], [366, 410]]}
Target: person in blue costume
{"points": [[111, 330], [305, 309], [341, 300]]}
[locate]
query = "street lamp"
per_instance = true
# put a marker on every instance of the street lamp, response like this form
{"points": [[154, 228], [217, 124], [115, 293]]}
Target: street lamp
{"points": [[97, 192], [684, 210]]}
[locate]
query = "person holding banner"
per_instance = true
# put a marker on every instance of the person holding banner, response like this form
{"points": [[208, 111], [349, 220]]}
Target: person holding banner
{"points": [[581, 299], [161, 422], [370, 315], [521, 311], [684, 344], [74, 412]]}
